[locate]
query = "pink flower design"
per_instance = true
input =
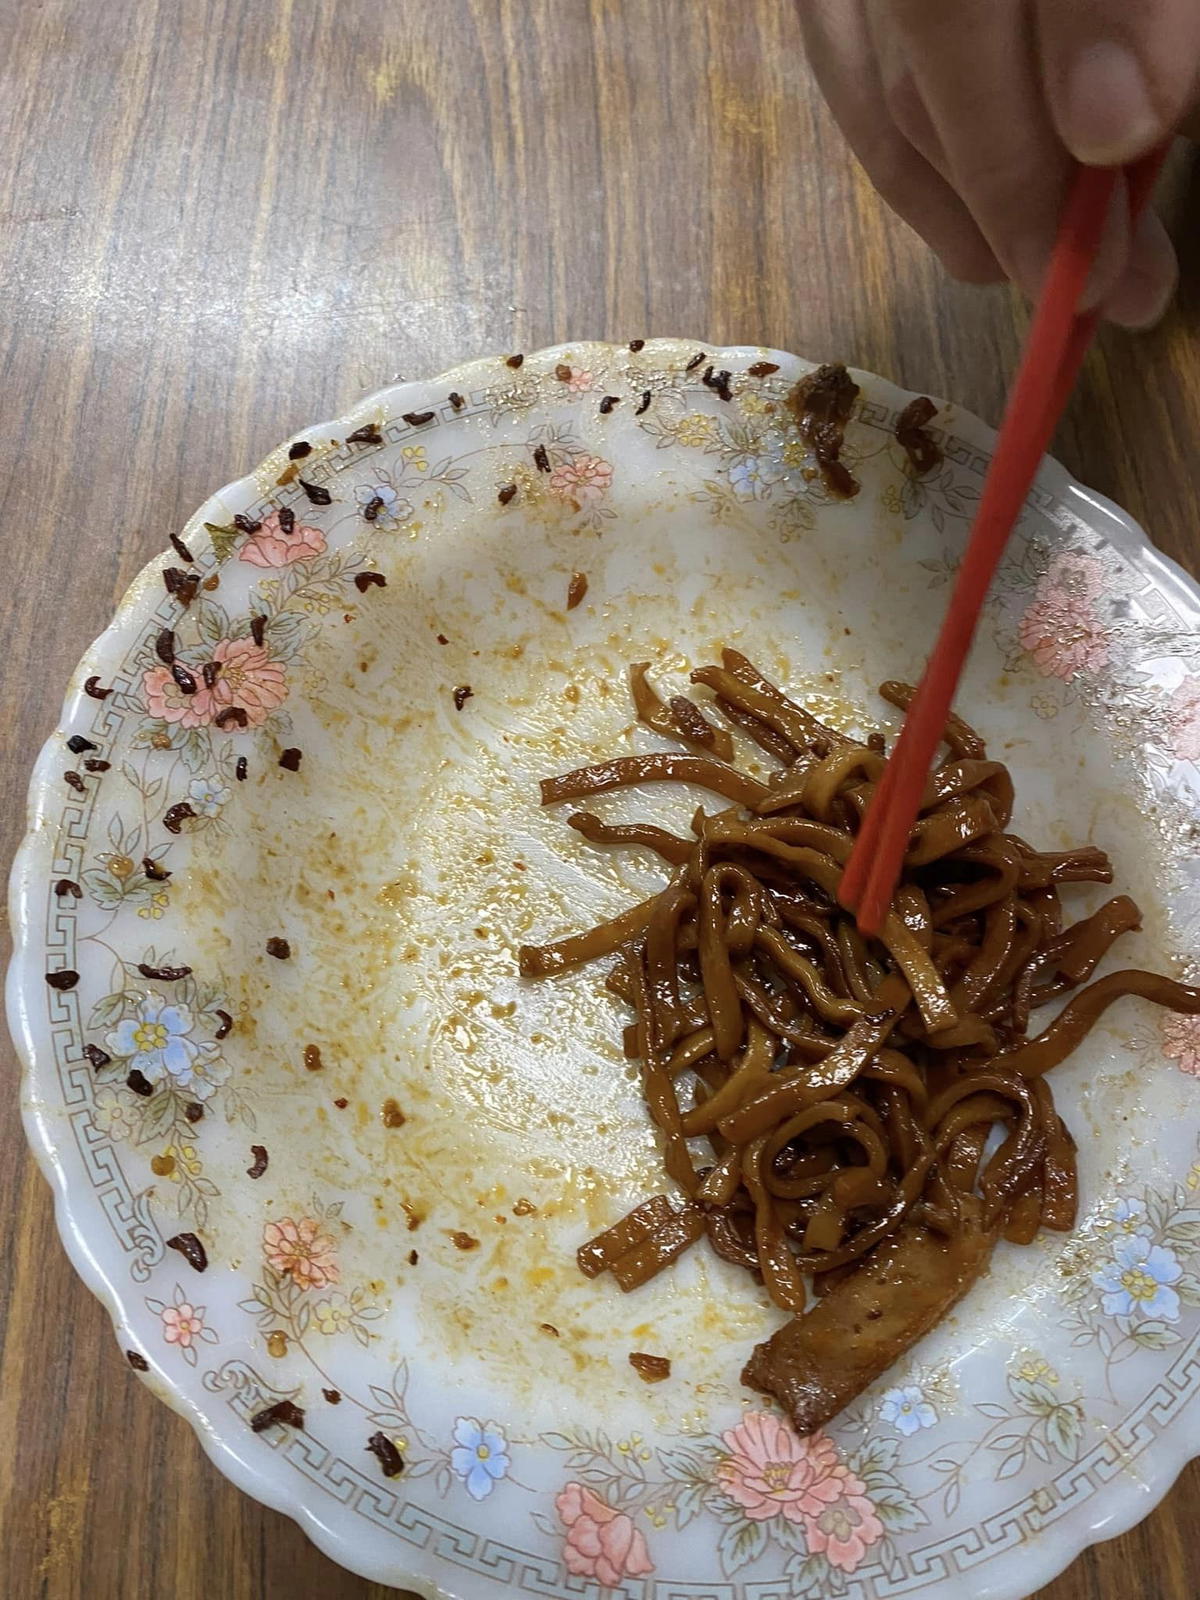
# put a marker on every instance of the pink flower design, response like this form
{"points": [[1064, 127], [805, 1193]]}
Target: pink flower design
{"points": [[182, 1324], [1062, 629], [845, 1530], [248, 678], [771, 1472], [1183, 718], [601, 1544], [302, 1251], [582, 481], [272, 546], [1181, 1042], [580, 381], [165, 699]]}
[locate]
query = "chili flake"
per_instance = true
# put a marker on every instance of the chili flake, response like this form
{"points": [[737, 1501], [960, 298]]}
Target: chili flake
{"points": [[190, 1248]]}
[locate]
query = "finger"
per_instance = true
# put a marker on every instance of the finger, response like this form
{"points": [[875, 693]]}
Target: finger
{"points": [[1119, 75], [900, 93], [1003, 152], [839, 50], [1145, 288]]}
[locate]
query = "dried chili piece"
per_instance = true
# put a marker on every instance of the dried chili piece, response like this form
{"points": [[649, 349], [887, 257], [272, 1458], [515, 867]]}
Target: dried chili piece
{"points": [[176, 815], [163, 974], [367, 434], [285, 1411], [191, 1249], [390, 1460]]}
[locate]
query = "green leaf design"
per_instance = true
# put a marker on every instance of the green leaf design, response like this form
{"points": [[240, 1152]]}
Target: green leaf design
{"points": [[104, 889], [1188, 1289], [878, 1455], [108, 1010], [224, 540], [1064, 1429], [1011, 1465], [788, 1535], [809, 1576], [211, 619], [157, 1118], [689, 1465], [741, 1543], [1037, 1399], [1154, 1336], [195, 746], [1183, 1232], [896, 1509], [689, 1502]]}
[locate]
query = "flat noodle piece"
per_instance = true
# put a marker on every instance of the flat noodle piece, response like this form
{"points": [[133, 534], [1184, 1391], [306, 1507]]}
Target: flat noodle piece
{"points": [[668, 845], [816, 1364], [541, 960], [1077, 1018], [942, 833], [665, 1243], [764, 736], [1041, 869], [599, 1253], [660, 767], [797, 1089], [1080, 949], [964, 743], [680, 720], [696, 727]]}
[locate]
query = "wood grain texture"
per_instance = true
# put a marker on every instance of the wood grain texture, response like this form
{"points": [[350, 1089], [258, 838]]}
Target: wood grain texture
{"points": [[224, 219]]}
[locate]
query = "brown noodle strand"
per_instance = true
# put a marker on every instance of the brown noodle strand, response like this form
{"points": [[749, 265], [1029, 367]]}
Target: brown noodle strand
{"points": [[844, 1090]]}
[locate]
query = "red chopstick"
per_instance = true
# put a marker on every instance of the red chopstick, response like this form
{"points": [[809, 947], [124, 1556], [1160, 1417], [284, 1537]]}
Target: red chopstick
{"points": [[1057, 343]]}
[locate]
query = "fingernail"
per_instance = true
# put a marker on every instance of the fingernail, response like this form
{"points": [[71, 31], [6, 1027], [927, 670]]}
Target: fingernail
{"points": [[1144, 292], [1109, 117]]}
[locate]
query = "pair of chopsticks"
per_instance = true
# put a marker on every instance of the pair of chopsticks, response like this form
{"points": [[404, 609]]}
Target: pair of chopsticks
{"points": [[1057, 343]]}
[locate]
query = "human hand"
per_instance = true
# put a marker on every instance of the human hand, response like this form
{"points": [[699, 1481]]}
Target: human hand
{"points": [[966, 115]]}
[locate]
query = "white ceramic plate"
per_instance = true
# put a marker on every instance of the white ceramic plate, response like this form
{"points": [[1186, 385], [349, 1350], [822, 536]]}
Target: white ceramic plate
{"points": [[424, 1273]]}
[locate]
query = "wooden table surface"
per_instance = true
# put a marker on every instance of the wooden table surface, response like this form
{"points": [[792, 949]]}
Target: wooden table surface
{"points": [[224, 219]]}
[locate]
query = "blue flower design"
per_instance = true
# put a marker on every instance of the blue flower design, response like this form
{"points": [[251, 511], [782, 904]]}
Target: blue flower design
{"points": [[1129, 1215], [157, 1041], [1137, 1281], [392, 507], [907, 1410], [208, 795], [480, 1456], [750, 478]]}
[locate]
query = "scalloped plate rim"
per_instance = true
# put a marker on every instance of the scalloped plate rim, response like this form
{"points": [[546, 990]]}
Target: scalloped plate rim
{"points": [[1040, 1561]]}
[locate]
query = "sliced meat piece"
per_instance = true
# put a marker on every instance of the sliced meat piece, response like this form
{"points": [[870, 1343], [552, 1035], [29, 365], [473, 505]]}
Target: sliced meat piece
{"points": [[818, 1362]]}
